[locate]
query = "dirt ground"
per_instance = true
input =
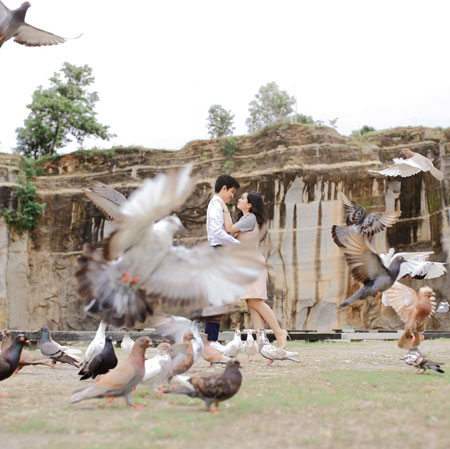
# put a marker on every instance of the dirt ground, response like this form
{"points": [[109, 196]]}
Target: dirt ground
{"points": [[341, 395]]}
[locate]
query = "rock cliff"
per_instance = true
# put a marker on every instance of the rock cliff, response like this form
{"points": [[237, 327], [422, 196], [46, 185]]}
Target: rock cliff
{"points": [[297, 168]]}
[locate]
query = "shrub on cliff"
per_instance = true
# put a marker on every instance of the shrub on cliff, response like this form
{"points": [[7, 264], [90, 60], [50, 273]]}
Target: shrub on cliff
{"points": [[64, 110]]}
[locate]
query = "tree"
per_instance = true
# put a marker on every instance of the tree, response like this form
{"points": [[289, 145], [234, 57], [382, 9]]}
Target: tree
{"points": [[304, 119], [64, 110], [220, 121], [271, 105]]}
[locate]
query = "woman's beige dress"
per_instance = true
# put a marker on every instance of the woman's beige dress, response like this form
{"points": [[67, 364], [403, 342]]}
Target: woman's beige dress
{"points": [[258, 288]]}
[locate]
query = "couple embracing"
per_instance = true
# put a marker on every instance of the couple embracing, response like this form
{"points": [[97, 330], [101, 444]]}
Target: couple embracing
{"points": [[250, 228]]}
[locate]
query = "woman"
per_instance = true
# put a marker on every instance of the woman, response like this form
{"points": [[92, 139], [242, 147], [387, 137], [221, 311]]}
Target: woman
{"points": [[251, 229]]}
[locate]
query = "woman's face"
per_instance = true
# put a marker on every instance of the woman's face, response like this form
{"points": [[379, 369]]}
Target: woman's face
{"points": [[243, 203]]}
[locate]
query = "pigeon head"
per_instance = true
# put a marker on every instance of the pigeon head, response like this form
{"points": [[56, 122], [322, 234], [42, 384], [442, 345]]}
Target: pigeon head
{"points": [[172, 223], [163, 348], [45, 330], [143, 342], [237, 332], [234, 362], [426, 292], [407, 152], [22, 340], [188, 336], [109, 338]]}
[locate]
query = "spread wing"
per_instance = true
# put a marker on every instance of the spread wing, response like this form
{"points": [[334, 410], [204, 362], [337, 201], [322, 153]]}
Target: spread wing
{"points": [[34, 37], [421, 269], [171, 326], [157, 198], [376, 222], [402, 299], [105, 198], [426, 165], [354, 213], [401, 167]]}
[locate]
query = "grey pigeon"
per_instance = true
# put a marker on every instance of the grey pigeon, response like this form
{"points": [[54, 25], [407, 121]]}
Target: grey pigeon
{"points": [[9, 360], [360, 221], [102, 362], [215, 388], [270, 352], [51, 350], [366, 266], [140, 268], [12, 24], [420, 361]]}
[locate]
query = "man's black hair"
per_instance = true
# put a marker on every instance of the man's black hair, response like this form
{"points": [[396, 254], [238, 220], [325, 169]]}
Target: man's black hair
{"points": [[225, 180]]}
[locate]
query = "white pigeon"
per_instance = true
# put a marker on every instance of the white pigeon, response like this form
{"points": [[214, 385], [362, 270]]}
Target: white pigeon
{"points": [[127, 343], [413, 164], [235, 346], [417, 265], [139, 268], [270, 352], [175, 327], [250, 346], [95, 346], [443, 307], [157, 368]]}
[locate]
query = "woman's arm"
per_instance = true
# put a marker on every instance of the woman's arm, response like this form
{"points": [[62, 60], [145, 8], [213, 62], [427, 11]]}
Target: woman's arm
{"points": [[228, 223]]}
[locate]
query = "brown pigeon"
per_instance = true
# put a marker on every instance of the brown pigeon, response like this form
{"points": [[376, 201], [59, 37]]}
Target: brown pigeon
{"points": [[26, 358], [182, 355], [412, 164], [12, 24], [215, 388], [420, 361], [211, 354], [120, 381], [412, 309], [9, 360], [363, 223]]}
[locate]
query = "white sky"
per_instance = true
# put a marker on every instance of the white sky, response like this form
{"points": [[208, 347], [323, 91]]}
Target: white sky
{"points": [[160, 65]]}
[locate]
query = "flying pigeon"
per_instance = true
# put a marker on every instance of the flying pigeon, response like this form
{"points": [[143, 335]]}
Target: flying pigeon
{"points": [[412, 309], [51, 350], [127, 343], [270, 352], [250, 346], [176, 327], [211, 354], [12, 24], [102, 362], [157, 369], [235, 346], [216, 388], [420, 361], [120, 381], [27, 358], [412, 164], [366, 266], [9, 360], [139, 267], [363, 223], [95, 347], [416, 265]]}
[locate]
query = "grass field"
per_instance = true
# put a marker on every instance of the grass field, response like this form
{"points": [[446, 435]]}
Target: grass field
{"points": [[342, 395]]}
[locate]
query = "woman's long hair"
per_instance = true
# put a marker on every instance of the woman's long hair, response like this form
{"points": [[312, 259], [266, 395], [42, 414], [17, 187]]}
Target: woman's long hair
{"points": [[255, 199]]}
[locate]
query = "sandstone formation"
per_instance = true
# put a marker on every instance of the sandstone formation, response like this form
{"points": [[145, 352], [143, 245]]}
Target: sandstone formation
{"points": [[297, 168]]}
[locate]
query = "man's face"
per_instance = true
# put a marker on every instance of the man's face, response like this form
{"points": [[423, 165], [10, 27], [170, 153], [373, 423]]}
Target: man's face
{"points": [[227, 194]]}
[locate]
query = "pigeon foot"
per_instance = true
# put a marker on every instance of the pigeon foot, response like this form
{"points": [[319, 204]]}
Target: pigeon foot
{"points": [[137, 407], [111, 399], [126, 277], [135, 280], [1, 38], [213, 411], [3, 395], [269, 363]]}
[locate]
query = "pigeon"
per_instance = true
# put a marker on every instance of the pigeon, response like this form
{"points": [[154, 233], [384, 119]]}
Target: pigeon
{"points": [[270, 352], [357, 218], [12, 24], [420, 361], [157, 368], [72, 352], [102, 362], [51, 350], [140, 268], [216, 388], [250, 346], [444, 307], [235, 346], [211, 354], [175, 327], [106, 199], [412, 164], [412, 309], [127, 343], [9, 360], [95, 347], [120, 381], [366, 266], [182, 355], [26, 358], [417, 265]]}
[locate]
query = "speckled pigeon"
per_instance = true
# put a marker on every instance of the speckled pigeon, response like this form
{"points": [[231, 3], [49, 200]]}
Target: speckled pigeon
{"points": [[420, 361], [12, 24]]}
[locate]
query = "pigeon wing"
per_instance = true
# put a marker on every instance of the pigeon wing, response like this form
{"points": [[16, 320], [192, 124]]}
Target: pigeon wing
{"points": [[402, 299], [376, 222], [105, 198], [401, 167], [34, 37], [171, 326], [155, 199], [354, 213]]}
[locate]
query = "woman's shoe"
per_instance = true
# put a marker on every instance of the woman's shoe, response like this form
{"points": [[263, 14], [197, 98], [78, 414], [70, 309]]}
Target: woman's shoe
{"points": [[282, 338]]}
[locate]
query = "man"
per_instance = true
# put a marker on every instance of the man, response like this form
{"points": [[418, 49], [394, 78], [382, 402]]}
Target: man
{"points": [[224, 189]]}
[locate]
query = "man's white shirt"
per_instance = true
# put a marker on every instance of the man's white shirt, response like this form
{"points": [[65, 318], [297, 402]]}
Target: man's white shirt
{"points": [[215, 224]]}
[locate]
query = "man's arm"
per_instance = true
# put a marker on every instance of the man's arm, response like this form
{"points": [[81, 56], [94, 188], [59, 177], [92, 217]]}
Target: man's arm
{"points": [[216, 227]]}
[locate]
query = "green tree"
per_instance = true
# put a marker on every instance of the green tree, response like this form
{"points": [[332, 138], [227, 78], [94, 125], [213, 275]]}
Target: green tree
{"points": [[63, 111], [304, 119], [366, 129], [220, 121], [270, 105]]}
